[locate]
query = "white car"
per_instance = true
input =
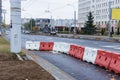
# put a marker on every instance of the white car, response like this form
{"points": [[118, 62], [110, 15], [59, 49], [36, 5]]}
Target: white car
{"points": [[53, 33], [27, 32]]}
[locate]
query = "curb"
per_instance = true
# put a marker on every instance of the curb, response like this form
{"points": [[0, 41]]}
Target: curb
{"points": [[19, 57], [53, 70], [91, 38]]}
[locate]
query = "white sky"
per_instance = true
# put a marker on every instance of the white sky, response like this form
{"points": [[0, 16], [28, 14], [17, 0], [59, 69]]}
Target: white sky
{"points": [[59, 9]]}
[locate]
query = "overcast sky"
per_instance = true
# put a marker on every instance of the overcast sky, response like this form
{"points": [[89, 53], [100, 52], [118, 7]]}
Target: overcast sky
{"points": [[59, 9]]}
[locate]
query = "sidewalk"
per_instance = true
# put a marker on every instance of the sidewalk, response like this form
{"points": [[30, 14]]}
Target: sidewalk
{"points": [[91, 37], [53, 70]]}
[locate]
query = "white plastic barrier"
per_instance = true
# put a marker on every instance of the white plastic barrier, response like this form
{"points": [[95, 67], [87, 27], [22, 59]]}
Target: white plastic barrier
{"points": [[57, 46], [90, 55], [36, 45], [61, 47], [29, 45], [65, 47]]}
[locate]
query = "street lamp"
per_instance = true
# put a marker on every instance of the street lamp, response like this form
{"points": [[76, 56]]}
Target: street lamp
{"points": [[109, 19], [48, 11], [74, 18]]}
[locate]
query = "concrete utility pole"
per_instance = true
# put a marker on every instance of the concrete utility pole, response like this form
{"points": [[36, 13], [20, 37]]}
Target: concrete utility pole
{"points": [[0, 15], [15, 39]]}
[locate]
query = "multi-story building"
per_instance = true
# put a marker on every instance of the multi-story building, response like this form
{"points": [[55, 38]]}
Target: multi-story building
{"points": [[83, 8], [99, 9], [43, 24], [64, 22]]}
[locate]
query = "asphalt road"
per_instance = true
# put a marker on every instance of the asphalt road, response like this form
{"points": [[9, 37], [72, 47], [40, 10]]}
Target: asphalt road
{"points": [[111, 46], [76, 68]]}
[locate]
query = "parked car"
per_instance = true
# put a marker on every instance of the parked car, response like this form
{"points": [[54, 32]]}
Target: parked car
{"points": [[27, 32], [53, 33]]}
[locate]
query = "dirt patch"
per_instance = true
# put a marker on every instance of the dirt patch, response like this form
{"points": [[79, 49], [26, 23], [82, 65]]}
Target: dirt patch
{"points": [[8, 57], [13, 69]]}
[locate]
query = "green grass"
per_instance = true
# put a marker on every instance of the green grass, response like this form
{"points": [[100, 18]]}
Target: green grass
{"points": [[116, 35], [4, 46], [21, 53]]}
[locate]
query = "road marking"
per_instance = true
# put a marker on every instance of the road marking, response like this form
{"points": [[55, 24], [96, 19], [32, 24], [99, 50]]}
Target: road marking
{"points": [[114, 47]]}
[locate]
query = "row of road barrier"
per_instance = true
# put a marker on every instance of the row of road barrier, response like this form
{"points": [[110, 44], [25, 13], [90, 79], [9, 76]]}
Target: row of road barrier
{"points": [[107, 59]]}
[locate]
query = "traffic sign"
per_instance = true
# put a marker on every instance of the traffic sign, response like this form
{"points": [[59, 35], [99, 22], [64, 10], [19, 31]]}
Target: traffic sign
{"points": [[116, 13]]}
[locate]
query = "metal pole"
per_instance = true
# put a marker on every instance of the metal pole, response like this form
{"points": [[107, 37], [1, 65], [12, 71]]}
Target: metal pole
{"points": [[0, 15], [74, 22], [51, 23], [31, 24], [74, 19], [109, 19], [4, 17]]}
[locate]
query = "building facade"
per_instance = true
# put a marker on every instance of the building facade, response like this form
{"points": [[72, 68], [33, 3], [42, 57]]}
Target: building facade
{"points": [[84, 6], [64, 22], [43, 24], [99, 9]]}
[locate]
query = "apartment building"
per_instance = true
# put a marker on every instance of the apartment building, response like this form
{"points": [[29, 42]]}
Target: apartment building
{"points": [[99, 9]]}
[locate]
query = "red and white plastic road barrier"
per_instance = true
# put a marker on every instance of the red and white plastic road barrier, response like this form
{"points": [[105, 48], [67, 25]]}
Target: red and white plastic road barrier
{"points": [[115, 63], [103, 58], [79, 52], [36, 45], [72, 49], [57, 46], [109, 60], [76, 51], [65, 47], [29, 45], [46, 46], [61, 47], [90, 55]]}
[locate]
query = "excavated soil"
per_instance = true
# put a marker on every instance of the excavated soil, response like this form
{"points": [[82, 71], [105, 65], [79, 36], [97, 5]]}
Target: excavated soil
{"points": [[13, 69]]}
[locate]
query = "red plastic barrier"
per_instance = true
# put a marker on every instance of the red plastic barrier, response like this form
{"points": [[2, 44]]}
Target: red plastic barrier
{"points": [[72, 50], [103, 58], [115, 63], [79, 52], [76, 51], [46, 46]]}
